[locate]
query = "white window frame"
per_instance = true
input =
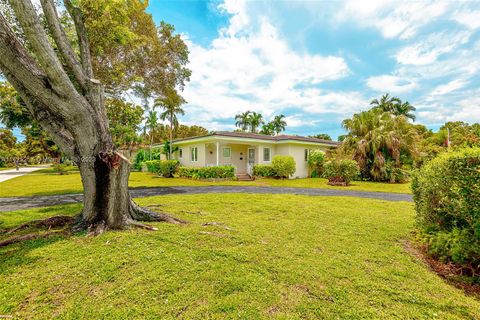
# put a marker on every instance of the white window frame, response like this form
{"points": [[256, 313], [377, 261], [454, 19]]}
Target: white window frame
{"points": [[194, 154], [180, 153], [269, 154], [229, 152]]}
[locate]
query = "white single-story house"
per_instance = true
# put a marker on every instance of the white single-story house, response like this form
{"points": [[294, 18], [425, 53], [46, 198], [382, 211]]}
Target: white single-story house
{"points": [[244, 150]]}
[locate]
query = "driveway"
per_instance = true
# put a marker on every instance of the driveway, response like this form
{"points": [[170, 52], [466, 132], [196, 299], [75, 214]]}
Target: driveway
{"points": [[13, 173], [20, 203]]}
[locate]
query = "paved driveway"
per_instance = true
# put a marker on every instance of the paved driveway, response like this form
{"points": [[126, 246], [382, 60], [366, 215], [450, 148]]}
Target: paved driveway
{"points": [[13, 173], [19, 203]]}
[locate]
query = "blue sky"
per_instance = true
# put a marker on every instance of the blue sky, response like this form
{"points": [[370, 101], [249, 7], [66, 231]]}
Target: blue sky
{"points": [[318, 62]]}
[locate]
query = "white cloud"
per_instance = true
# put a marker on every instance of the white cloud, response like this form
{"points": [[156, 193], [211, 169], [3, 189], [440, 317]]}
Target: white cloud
{"points": [[393, 19], [449, 87], [469, 18], [391, 84], [429, 49], [251, 67]]}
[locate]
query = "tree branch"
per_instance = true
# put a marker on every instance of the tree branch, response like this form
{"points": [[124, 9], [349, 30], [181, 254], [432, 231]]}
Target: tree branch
{"points": [[77, 17], [37, 38], [63, 43]]}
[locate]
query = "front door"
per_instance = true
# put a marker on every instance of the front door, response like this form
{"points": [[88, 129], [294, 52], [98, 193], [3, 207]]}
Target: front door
{"points": [[250, 160]]}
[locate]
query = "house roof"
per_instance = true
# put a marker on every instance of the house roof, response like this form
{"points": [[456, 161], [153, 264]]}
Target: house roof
{"points": [[257, 136]]}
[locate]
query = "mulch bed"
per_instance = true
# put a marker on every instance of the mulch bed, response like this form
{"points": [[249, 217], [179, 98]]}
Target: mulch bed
{"points": [[450, 272]]}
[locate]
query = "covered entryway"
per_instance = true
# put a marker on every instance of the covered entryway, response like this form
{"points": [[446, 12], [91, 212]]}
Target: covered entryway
{"points": [[234, 154]]}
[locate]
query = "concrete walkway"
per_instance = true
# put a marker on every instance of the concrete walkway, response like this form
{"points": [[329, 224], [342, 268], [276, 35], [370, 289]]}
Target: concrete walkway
{"points": [[13, 173], [20, 203]]}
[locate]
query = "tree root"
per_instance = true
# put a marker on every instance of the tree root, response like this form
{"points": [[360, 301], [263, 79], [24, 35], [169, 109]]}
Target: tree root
{"points": [[141, 214], [32, 236], [51, 222]]}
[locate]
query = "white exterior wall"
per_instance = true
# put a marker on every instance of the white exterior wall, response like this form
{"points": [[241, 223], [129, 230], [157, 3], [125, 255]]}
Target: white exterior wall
{"points": [[186, 159]]}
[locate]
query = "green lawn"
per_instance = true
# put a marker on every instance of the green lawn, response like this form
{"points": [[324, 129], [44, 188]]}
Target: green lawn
{"points": [[47, 182], [269, 256]]}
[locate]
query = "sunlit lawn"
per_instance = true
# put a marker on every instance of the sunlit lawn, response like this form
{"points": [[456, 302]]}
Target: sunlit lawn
{"points": [[47, 182], [268, 256]]}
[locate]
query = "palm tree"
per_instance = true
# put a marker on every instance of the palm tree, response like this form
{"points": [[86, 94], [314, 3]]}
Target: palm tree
{"points": [[242, 120], [377, 138], [268, 129], [406, 109], [171, 104], [394, 106], [151, 123], [255, 120], [279, 124]]}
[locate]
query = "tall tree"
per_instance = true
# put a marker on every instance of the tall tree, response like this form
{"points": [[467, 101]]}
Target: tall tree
{"points": [[255, 120], [171, 104], [279, 124], [124, 121], [242, 120], [395, 106], [60, 91], [322, 136], [152, 121]]}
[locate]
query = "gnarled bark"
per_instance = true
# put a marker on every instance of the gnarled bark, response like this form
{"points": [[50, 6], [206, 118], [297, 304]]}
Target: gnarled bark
{"points": [[68, 104]]}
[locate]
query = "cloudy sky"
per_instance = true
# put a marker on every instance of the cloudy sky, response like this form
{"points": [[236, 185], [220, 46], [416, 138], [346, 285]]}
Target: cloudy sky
{"points": [[318, 62]]}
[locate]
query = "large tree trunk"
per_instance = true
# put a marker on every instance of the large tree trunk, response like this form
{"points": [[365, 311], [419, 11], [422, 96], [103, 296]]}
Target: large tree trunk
{"points": [[68, 103]]}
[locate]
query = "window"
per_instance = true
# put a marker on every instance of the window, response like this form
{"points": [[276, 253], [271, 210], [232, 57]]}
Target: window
{"points": [[306, 154], [194, 154], [266, 154], [180, 153], [227, 152]]}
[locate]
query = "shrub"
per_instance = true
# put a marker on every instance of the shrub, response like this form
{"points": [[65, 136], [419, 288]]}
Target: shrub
{"points": [[214, 172], [316, 160], [263, 170], [283, 166], [341, 172], [153, 166], [394, 174], [144, 155], [168, 168], [446, 191]]}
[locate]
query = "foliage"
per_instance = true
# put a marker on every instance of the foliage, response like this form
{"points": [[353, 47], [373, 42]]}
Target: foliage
{"points": [[153, 166], [316, 160], [322, 136], [376, 137], [341, 172], [164, 168], [283, 166], [249, 121], [127, 47], [275, 126], [124, 121], [166, 149], [168, 168], [263, 170], [394, 106], [447, 200], [213, 172], [13, 111], [144, 155]]}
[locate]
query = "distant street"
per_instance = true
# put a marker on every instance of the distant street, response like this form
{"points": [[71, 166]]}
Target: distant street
{"points": [[13, 173]]}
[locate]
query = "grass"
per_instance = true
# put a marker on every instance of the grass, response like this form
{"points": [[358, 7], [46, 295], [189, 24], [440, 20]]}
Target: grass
{"points": [[269, 256], [47, 182]]}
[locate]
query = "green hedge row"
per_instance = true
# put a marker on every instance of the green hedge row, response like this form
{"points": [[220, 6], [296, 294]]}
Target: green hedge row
{"points": [[164, 168], [214, 172], [281, 167], [446, 191]]}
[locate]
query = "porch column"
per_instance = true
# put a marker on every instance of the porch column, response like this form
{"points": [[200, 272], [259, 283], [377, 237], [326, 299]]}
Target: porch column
{"points": [[218, 153]]}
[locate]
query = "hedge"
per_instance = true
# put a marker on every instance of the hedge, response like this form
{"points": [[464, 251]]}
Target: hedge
{"points": [[341, 172], [446, 192], [164, 168], [263, 170], [214, 172]]}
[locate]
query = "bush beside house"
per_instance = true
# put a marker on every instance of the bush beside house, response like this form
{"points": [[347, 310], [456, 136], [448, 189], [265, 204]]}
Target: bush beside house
{"points": [[281, 167], [316, 160], [446, 191], [214, 172], [341, 172], [164, 168]]}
